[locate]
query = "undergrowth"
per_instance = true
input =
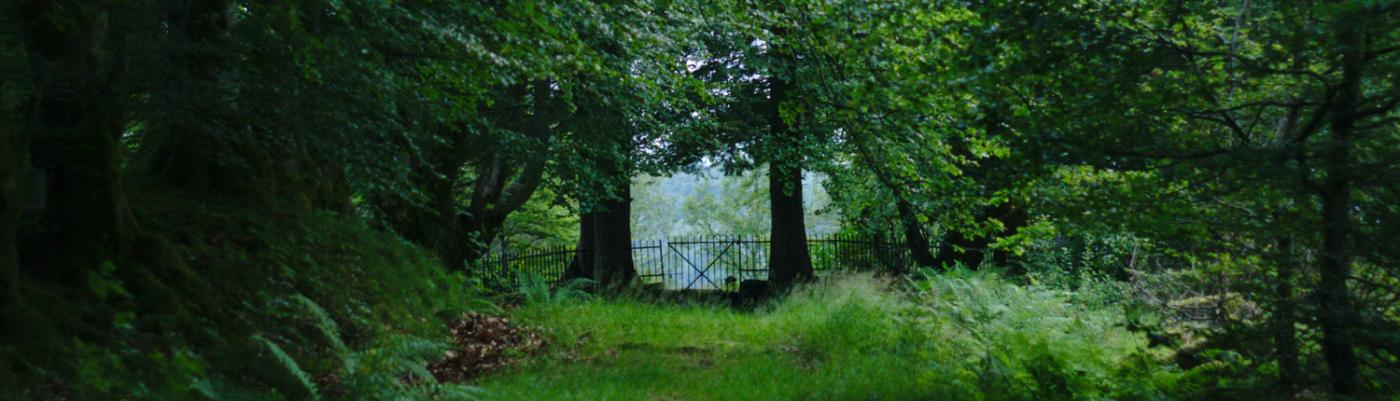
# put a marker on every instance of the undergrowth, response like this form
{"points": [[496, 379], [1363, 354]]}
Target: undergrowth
{"points": [[950, 336], [301, 306], [994, 340], [285, 306]]}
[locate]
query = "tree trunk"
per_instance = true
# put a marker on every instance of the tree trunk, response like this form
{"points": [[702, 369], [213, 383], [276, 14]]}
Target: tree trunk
{"points": [[1012, 218], [185, 154], [436, 223], [789, 260], [12, 171], [1287, 261], [914, 237], [450, 241], [495, 194], [1338, 315], [582, 265], [1334, 299], [190, 152], [460, 234], [76, 122], [475, 237], [1285, 316], [492, 202], [612, 235], [957, 248]]}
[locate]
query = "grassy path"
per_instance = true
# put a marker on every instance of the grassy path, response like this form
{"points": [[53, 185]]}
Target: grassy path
{"points": [[612, 350], [954, 337]]}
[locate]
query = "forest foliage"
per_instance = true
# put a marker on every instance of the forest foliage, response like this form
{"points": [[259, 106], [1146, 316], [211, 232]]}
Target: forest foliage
{"points": [[179, 177]]}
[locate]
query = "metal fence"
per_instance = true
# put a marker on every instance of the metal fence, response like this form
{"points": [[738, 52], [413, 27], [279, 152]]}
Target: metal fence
{"points": [[703, 263]]}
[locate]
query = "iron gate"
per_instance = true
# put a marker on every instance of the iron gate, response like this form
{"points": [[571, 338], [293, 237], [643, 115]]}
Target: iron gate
{"points": [[706, 263]]}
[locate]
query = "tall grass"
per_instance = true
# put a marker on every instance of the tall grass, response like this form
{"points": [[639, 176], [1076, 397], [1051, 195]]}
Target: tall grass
{"points": [[964, 336]]}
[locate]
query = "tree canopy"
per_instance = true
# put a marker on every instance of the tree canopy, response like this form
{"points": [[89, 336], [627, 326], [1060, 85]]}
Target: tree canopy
{"points": [[1236, 153]]}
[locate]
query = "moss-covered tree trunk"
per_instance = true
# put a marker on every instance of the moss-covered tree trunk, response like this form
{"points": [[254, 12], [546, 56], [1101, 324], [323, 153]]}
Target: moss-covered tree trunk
{"points": [[492, 202], [186, 151], [207, 148], [458, 234], [75, 125]]}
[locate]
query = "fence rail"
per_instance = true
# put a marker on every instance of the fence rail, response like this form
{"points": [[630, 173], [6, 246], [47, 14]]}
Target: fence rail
{"points": [[703, 263]]}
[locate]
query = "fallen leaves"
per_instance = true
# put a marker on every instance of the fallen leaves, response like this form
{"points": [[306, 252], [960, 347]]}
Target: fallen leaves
{"points": [[482, 344]]}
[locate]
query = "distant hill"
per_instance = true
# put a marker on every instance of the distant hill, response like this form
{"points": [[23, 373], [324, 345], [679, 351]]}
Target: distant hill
{"points": [[707, 202]]}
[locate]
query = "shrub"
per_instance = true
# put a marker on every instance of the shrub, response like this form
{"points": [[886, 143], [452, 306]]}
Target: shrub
{"points": [[990, 339]]}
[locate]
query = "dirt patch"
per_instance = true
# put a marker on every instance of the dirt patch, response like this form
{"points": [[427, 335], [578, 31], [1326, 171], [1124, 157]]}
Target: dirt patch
{"points": [[701, 357], [681, 349], [482, 344]]}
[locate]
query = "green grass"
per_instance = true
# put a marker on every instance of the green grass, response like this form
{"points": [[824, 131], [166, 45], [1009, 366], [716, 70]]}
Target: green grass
{"points": [[634, 350], [961, 336]]}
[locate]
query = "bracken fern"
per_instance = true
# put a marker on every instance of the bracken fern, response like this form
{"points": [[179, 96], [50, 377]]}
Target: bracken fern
{"points": [[291, 366]]}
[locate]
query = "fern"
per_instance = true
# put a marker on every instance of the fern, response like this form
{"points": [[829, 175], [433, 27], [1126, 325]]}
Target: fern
{"points": [[291, 366], [218, 390], [573, 290], [1034, 342], [377, 373], [534, 289], [443, 392], [400, 355], [323, 322]]}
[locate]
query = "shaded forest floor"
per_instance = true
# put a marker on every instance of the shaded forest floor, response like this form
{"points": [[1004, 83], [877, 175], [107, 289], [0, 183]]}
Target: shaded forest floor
{"points": [[848, 339]]}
